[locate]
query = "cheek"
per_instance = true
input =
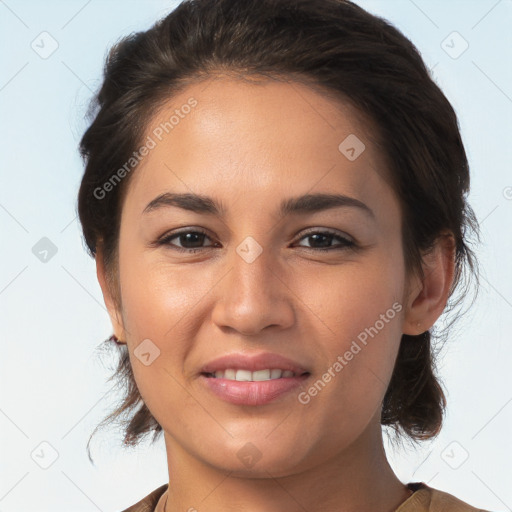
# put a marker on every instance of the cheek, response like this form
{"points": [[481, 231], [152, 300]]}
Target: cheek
{"points": [[159, 304], [356, 320], [349, 300], [158, 298]]}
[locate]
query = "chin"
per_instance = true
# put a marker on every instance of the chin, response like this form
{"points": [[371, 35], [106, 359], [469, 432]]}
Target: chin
{"points": [[256, 459]]}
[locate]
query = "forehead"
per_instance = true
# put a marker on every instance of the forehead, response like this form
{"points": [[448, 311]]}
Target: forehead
{"points": [[260, 138]]}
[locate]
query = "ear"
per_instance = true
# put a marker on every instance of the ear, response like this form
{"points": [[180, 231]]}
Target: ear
{"points": [[108, 297], [427, 298]]}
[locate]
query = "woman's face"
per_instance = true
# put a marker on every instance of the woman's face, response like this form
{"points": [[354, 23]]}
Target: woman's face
{"points": [[263, 272]]}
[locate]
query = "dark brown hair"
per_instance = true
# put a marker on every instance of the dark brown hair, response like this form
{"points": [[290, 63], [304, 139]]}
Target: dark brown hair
{"points": [[352, 55]]}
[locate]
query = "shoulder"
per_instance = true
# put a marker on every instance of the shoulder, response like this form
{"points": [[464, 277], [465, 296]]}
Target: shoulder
{"points": [[148, 503], [428, 499]]}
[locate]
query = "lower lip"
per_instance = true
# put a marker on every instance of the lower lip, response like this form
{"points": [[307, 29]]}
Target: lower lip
{"points": [[252, 393]]}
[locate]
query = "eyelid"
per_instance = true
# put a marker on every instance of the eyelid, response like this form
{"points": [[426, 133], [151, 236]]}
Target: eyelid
{"points": [[345, 242], [167, 236], [320, 230]]}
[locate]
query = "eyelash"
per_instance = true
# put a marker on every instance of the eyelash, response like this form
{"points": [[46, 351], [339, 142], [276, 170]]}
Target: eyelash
{"points": [[166, 239]]}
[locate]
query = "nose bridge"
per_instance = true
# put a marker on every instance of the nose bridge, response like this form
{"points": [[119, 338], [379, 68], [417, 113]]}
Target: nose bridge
{"points": [[252, 271], [252, 296]]}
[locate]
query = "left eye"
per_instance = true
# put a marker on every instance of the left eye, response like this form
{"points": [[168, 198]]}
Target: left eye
{"points": [[192, 241], [323, 241]]}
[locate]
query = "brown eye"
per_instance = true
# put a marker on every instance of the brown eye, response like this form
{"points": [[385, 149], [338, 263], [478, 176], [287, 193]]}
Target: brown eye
{"points": [[190, 240], [323, 241]]}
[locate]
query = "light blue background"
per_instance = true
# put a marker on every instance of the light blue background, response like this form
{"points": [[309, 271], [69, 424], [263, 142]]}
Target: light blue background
{"points": [[53, 387]]}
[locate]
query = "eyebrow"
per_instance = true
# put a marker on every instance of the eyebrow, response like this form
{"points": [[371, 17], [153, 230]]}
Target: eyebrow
{"points": [[308, 203]]}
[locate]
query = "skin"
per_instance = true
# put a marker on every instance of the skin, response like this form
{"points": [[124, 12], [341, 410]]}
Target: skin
{"points": [[250, 146]]}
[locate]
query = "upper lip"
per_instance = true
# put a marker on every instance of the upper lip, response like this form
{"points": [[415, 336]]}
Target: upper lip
{"points": [[253, 363]]}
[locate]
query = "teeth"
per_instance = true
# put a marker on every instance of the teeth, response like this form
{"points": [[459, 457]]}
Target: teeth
{"points": [[243, 375], [230, 374], [275, 374], [260, 375], [248, 376]]}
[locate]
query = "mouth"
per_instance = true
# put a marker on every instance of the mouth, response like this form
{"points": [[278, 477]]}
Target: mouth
{"points": [[257, 388], [241, 375], [252, 378]]}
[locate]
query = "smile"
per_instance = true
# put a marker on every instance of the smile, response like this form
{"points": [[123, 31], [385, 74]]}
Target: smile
{"points": [[261, 387], [248, 376]]}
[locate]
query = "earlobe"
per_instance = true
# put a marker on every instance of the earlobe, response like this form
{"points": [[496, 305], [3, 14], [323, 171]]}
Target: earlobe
{"points": [[428, 297], [108, 297]]}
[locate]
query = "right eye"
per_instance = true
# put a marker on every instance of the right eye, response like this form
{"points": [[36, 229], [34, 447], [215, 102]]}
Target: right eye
{"points": [[189, 240]]}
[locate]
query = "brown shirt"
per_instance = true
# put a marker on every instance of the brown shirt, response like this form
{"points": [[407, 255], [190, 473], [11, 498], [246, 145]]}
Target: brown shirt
{"points": [[423, 499]]}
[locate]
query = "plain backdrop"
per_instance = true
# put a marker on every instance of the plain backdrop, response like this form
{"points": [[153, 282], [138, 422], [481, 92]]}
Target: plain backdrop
{"points": [[53, 387]]}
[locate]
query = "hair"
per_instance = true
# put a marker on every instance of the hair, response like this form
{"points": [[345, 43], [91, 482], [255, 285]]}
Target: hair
{"points": [[352, 55]]}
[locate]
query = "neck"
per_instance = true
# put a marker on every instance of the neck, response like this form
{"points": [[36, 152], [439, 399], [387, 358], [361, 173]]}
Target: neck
{"points": [[358, 479]]}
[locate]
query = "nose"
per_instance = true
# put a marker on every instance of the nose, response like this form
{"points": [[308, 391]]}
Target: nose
{"points": [[254, 295]]}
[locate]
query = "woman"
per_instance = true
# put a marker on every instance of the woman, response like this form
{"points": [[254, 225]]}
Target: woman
{"points": [[275, 196]]}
